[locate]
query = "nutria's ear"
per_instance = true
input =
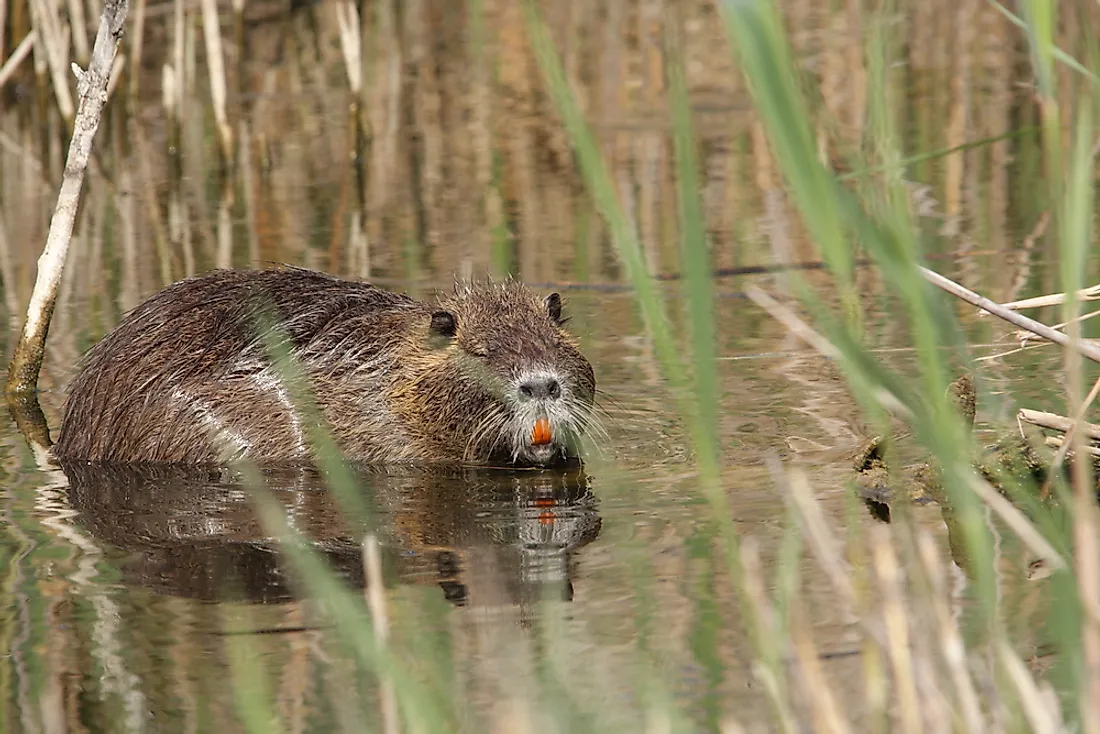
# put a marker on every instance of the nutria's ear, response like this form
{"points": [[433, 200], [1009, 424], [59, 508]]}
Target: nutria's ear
{"points": [[553, 307], [443, 324]]}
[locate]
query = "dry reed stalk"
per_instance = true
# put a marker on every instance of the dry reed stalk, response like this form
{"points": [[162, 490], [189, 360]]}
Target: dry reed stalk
{"points": [[481, 115], [1040, 705], [1092, 293], [7, 275], [816, 531], [376, 603], [54, 38], [653, 27], [768, 666], [92, 89], [178, 205], [1085, 349], [1058, 422], [215, 63], [296, 681], [826, 712], [129, 287], [794, 324], [1063, 446], [358, 246], [351, 44], [41, 65], [78, 30], [248, 184], [517, 112], [3, 25], [137, 46], [115, 76], [896, 623], [1086, 525], [1025, 336], [959, 110], [175, 91], [952, 647], [224, 256], [996, 62], [425, 146], [94, 281], [385, 114], [21, 52], [160, 229]]}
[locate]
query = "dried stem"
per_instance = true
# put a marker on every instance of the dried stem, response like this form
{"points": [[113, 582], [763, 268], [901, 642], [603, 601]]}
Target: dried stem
{"points": [[376, 602], [951, 642], [1085, 349], [92, 88], [1057, 422], [55, 44], [213, 36], [136, 48], [1092, 293], [21, 52], [896, 622]]}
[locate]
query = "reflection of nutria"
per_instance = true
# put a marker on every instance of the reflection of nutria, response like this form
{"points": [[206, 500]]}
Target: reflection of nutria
{"points": [[486, 374]]}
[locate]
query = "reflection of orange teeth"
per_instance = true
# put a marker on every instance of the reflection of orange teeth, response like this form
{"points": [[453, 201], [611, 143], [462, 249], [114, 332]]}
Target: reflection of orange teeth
{"points": [[541, 434]]}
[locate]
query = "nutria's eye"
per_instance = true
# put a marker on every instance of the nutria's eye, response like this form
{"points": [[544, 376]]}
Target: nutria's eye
{"points": [[553, 307], [476, 348], [443, 324]]}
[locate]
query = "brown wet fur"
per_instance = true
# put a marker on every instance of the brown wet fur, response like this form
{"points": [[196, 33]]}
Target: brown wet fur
{"points": [[185, 379]]}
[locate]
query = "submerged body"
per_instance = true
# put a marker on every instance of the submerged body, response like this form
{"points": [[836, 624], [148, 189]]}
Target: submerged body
{"points": [[486, 375]]}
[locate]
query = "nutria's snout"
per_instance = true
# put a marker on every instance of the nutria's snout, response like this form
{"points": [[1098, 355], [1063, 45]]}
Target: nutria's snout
{"points": [[549, 417], [539, 387]]}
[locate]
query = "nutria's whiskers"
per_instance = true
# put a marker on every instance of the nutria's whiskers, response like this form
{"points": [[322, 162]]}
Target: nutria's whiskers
{"points": [[493, 422]]}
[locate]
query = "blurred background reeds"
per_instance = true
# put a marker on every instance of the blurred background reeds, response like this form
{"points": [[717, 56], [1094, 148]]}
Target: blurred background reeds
{"points": [[712, 568]]}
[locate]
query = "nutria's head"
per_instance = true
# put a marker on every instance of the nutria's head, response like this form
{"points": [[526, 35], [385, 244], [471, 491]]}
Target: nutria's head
{"points": [[506, 381]]}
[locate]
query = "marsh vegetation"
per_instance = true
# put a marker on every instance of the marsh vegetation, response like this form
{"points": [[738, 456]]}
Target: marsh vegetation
{"points": [[733, 198]]}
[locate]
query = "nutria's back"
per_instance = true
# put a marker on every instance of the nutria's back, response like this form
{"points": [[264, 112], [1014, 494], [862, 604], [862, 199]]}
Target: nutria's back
{"points": [[487, 374]]}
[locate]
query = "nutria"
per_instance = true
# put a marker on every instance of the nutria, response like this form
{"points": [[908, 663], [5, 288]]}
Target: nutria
{"points": [[484, 376]]}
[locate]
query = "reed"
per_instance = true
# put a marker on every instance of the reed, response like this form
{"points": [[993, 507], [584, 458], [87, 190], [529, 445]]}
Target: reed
{"points": [[904, 578], [215, 64], [925, 660]]}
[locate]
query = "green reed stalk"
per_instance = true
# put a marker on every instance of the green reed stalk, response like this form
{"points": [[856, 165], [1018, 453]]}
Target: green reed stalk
{"points": [[602, 189], [1071, 193], [831, 213], [694, 253], [251, 688], [338, 475], [1076, 232], [755, 28], [421, 708], [702, 421]]}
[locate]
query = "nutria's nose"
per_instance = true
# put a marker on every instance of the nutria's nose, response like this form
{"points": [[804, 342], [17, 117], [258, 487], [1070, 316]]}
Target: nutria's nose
{"points": [[540, 388]]}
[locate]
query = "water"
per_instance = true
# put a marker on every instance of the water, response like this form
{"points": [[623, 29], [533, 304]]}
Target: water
{"points": [[126, 590], [129, 600]]}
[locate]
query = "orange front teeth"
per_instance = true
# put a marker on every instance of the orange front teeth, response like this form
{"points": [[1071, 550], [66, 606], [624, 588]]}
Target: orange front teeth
{"points": [[541, 433]]}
